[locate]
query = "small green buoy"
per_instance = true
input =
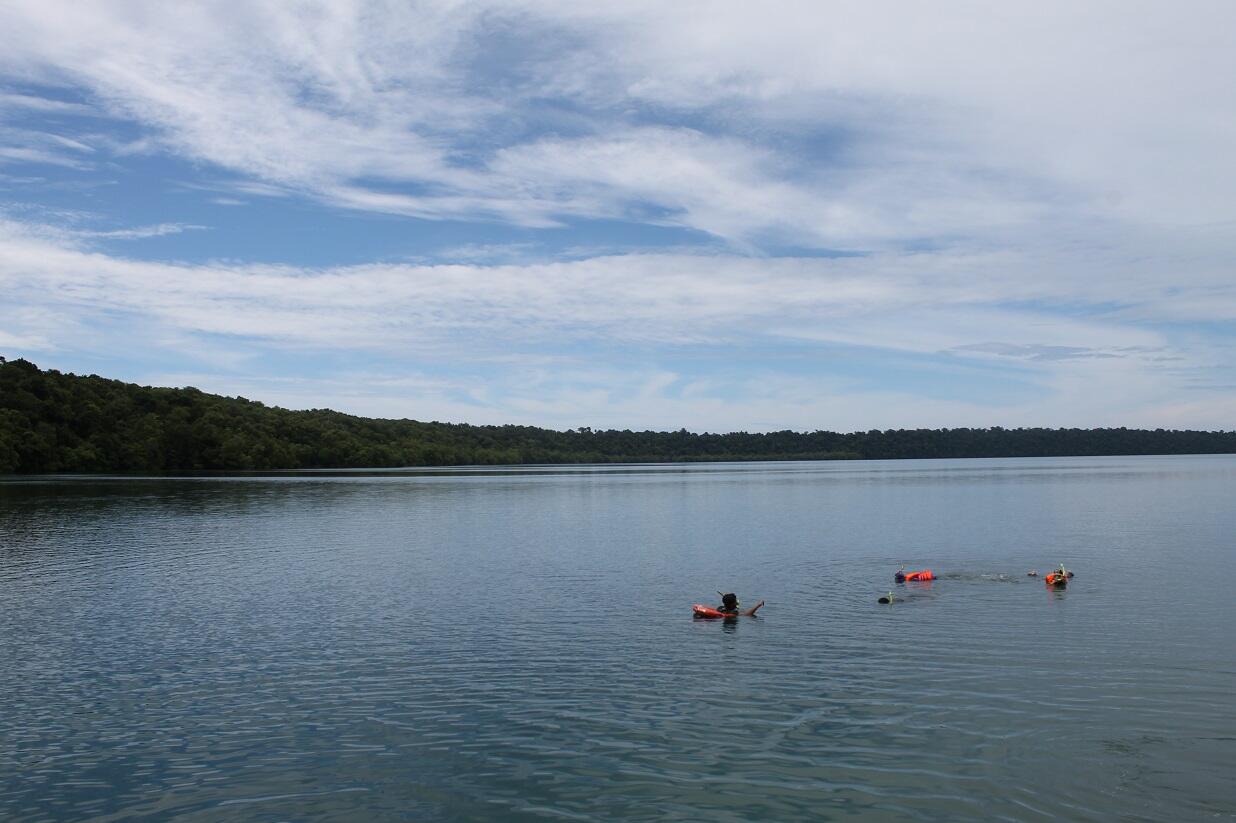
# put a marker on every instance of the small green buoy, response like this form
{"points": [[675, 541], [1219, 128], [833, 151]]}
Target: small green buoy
{"points": [[888, 598]]}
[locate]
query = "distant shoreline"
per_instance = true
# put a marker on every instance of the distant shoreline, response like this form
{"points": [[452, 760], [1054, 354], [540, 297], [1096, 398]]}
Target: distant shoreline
{"points": [[52, 422]]}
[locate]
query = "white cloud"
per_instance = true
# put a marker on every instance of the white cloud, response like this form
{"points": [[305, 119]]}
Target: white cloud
{"points": [[644, 397], [922, 302], [69, 228], [29, 154], [948, 118], [25, 342], [31, 102], [141, 232], [1129, 103], [586, 342], [1064, 168]]}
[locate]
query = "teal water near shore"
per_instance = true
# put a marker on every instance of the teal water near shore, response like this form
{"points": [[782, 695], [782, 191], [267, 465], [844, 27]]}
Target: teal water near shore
{"points": [[517, 643]]}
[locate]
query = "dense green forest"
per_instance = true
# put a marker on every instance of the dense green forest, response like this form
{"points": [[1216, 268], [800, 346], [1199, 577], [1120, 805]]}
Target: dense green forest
{"points": [[53, 422]]}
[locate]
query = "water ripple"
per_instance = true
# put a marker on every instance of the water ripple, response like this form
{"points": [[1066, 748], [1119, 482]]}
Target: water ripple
{"points": [[518, 646]]}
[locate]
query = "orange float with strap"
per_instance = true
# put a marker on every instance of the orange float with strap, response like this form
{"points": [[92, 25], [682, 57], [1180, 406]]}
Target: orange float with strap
{"points": [[903, 576]]}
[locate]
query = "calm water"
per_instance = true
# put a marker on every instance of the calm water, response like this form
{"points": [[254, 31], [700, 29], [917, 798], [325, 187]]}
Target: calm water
{"points": [[518, 644]]}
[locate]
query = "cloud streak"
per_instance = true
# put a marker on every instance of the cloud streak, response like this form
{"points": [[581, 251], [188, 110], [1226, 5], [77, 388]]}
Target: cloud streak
{"points": [[820, 126], [661, 298], [500, 325], [1035, 196]]}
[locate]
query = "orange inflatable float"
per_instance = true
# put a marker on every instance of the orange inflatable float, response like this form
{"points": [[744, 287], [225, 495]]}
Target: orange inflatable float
{"points": [[1059, 578], [902, 576]]}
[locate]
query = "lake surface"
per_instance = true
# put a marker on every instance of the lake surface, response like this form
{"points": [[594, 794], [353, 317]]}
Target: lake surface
{"points": [[517, 644]]}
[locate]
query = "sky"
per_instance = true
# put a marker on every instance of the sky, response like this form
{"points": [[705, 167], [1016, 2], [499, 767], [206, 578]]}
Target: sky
{"points": [[647, 215]]}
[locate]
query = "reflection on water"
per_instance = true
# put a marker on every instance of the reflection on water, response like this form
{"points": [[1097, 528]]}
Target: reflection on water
{"points": [[518, 644]]}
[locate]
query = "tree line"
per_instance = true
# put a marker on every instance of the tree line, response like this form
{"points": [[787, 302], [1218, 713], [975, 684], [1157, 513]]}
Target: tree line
{"points": [[54, 422]]}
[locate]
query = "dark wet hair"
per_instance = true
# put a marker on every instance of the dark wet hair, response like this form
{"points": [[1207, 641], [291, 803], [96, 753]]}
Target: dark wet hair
{"points": [[730, 601]]}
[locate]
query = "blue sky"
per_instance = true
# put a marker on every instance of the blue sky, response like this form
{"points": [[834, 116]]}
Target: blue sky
{"points": [[639, 215]]}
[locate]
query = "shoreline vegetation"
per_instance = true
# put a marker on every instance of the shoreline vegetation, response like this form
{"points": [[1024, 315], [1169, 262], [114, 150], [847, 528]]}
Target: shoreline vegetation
{"points": [[55, 422]]}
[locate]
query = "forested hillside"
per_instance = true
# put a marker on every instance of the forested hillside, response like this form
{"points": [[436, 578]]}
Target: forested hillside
{"points": [[54, 422]]}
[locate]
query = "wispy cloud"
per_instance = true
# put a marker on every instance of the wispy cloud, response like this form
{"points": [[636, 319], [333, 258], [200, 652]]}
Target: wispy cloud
{"points": [[464, 318], [817, 126], [1039, 352], [39, 156], [641, 296], [73, 228], [1038, 195], [141, 232], [31, 102]]}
